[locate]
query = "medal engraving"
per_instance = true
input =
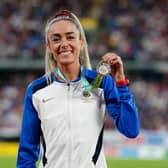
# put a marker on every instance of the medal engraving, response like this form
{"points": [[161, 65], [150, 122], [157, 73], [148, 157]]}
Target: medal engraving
{"points": [[103, 68]]}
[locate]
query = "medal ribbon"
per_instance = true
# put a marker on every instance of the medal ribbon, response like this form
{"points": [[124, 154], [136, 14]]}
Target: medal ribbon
{"points": [[60, 74], [85, 83], [97, 81]]}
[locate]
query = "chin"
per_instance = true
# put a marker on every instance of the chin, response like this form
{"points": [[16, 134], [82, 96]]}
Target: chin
{"points": [[66, 62]]}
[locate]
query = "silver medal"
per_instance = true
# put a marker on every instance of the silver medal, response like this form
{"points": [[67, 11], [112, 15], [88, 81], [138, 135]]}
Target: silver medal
{"points": [[103, 68]]}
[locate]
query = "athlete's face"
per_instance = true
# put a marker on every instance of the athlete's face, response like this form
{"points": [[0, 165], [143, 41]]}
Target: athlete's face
{"points": [[64, 42]]}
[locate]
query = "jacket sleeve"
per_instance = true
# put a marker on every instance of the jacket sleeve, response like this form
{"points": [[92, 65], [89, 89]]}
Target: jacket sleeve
{"points": [[121, 107], [30, 134]]}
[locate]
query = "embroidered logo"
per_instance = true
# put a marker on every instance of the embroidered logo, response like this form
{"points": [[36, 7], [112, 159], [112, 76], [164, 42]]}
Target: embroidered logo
{"points": [[46, 100]]}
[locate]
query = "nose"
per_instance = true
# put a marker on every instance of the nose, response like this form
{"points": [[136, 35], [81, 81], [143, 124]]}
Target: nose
{"points": [[64, 42]]}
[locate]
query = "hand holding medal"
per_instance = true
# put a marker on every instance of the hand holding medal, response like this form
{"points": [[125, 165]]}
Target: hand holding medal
{"points": [[110, 64], [116, 66]]}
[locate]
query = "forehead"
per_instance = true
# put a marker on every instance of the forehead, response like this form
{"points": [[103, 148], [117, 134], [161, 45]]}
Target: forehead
{"points": [[63, 26]]}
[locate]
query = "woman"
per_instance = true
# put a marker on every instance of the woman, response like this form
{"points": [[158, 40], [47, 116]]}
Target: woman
{"points": [[64, 110]]}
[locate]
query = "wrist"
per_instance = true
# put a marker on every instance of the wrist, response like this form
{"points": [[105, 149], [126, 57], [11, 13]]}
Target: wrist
{"points": [[123, 82]]}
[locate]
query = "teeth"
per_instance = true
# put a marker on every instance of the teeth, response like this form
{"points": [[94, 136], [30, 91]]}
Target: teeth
{"points": [[65, 52]]}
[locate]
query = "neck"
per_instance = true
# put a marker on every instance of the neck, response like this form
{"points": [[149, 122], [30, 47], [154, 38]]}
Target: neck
{"points": [[70, 72]]}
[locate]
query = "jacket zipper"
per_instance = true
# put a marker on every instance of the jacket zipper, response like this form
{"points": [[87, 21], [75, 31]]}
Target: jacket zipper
{"points": [[69, 97]]}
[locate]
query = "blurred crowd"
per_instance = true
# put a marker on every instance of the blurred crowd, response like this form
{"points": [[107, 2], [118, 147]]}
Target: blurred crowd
{"points": [[135, 29], [12, 92], [152, 101]]}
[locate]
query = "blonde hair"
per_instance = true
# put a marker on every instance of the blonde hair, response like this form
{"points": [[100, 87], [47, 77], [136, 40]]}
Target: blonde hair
{"points": [[50, 62]]}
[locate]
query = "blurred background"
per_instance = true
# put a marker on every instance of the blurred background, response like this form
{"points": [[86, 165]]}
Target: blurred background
{"points": [[137, 30]]}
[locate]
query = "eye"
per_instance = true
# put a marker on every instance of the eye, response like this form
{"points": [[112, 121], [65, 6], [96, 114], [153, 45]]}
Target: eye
{"points": [[71, 37], [56, 40]]}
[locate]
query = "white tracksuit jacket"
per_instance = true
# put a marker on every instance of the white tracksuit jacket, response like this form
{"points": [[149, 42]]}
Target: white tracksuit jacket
{"points": [[68, 127]]}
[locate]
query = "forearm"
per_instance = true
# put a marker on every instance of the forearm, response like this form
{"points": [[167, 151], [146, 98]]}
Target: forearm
{"points": [[125, 113]]}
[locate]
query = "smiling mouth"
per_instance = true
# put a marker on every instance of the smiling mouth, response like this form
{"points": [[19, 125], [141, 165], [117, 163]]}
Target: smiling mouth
{"points": [[65, 52]]}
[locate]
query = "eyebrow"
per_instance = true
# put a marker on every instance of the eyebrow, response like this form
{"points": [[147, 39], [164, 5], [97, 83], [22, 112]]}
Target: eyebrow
{"points": [[58, 35]]}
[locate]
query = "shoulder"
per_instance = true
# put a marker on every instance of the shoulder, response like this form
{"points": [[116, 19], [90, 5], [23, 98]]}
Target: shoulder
{"points": [[89, 74], [37, 84]]}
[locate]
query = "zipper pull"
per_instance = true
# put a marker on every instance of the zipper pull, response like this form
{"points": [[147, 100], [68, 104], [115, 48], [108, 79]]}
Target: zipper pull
{"points": [[68, 84]]}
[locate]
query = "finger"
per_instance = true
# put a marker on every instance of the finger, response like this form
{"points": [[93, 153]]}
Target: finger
{"points": [[110, 57], [116, 61], [113, 60]]}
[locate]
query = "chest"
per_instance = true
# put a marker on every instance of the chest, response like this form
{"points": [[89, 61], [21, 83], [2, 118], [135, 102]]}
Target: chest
{"points": [[60, 102]]}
